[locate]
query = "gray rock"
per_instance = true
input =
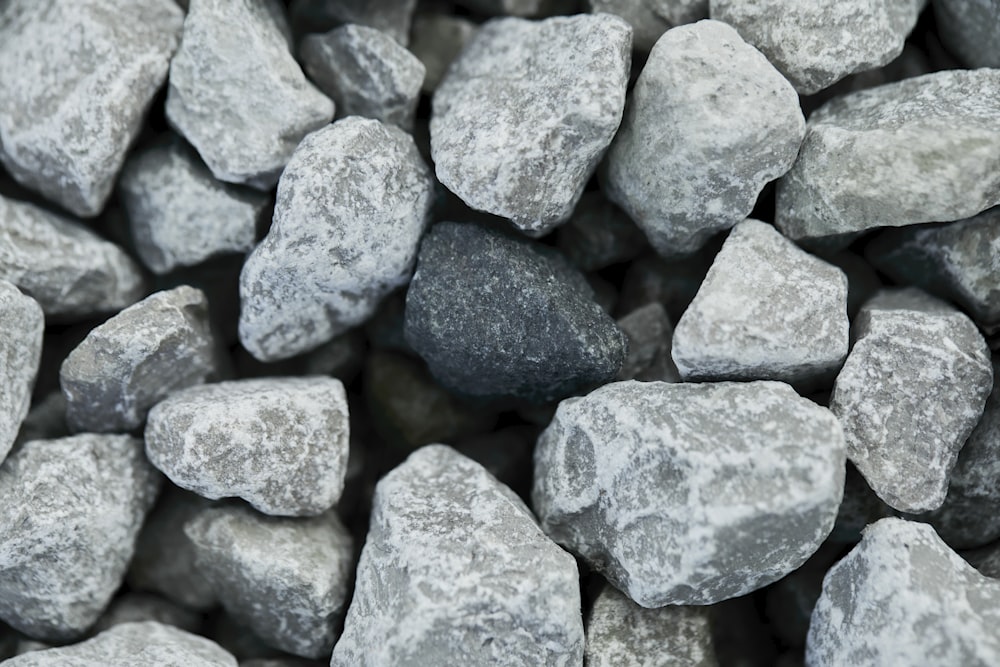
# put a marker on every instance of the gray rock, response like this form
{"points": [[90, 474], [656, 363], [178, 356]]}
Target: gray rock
{"points": [[680, 11], [970, 29], [139, 607], [909, 394], [392, 17], [285, 578], [690, 493], [366, 73], [71, 271], [437, 39], [79, 76], [868, 158], [649, 334], [767, 310], [237, 94], [709, 123], [525, 113], [599, 234], [72, 510], [456, 571], [494, 315], [902, 598], [21, 327], [351, 208], [643, 15], [673, 283], [135, 359]]}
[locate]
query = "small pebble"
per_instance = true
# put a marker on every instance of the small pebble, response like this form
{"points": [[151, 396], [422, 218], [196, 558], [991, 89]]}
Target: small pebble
{"points": [[649, 334], [21, 328], [970, 29]]}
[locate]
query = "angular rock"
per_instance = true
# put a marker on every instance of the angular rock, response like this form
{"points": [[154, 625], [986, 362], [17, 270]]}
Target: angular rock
{"points": [[869, 158], [437, 39], [709, 123], [909, 394], [525, 113], [79, 76], [72, 510], [237, 94], [456, 571], [139, 607], [970, 29], [649, 334], [494, 315], [599, 234], [392, 17], [351, 208], [21, 327], [137, 358], [690, 493]]}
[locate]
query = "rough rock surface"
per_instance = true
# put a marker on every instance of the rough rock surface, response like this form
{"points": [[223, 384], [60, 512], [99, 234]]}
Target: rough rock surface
{"points": [[649, 334], [970, 29], [910, 393], [709, 123], [456, 571], [392, 17], [437, 41], [495, 315], [86, 70], [690, 493], [351, 208], [72, 510], [21, 327], [868, 158], [525, 113]]}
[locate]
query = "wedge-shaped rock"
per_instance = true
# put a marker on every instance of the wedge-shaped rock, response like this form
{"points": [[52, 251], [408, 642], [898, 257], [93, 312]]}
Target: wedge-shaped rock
{"points": [[21, 327], [970, 29]]}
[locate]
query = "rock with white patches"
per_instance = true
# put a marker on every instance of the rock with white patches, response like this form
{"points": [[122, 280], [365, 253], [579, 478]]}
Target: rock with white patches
{"points": [[21, 327]]}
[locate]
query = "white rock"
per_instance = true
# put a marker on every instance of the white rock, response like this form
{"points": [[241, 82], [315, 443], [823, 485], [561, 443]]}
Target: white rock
{"points": [[21, 327]]}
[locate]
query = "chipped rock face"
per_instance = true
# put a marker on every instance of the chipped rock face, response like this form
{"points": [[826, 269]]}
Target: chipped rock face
{"points": [[709, 123], [437, 41], [970, 29], [526, 112], [652, 484], [456, 571], [351, 208], [21, 327]]}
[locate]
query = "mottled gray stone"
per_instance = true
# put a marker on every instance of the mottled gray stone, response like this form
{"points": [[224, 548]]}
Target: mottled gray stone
{"points": [[649, 334], [392, 17], [970, 29], [456, 571], [869, 158], [78, 77], [72, 510], [285, 578], [351, 208], [599, 234], [709, 123], [690, 493], [494, 315], [21, 327], [135, 359], [237, 94], [437, 39], [139, 607], [525, 113], [903, 598]]}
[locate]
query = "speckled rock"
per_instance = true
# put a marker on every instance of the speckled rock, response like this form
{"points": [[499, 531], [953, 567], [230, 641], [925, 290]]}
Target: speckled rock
{"points": [[599, 234], [525, 113], [690, 493], [910, 393], [970, 29], [392, 17], [437, 39], [86, 70], [351, 208], [72, 510], [21, 327], [709, 123], [456, 571], [649, 334], [139, 607]]}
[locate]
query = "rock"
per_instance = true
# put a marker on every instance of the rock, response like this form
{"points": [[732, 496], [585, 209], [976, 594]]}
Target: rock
{"points": [[985, 559], [879, 602], [599, 234], [237, 94], [179, 214], [644, 17], [620, 633], [970, 29], [709, 123], [437, 39], [86, 71], [71, 271], [366, 73], [21, 327], [690, 493], [766, 311], [862, 281], [351, 208], [46, 420], [390, 16], [285, 578], [910, 393], [72, 510], [494, 315], [652, 279], [868, 157], [456, 571], [525, 113], [135, 359], [145, 644], [139, 607], [649, 334], [859, 508]]}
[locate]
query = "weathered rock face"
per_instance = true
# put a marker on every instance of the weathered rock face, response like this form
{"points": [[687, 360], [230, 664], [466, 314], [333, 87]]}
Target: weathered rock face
{"points": [[21, 327], [970, 29]]}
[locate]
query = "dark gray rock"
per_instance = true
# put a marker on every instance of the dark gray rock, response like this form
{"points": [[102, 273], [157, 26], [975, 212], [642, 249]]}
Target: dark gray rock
{"points": [[392, 17], [649, 334], [437, 39], [970, 29], [599, 234], [21, 327]]}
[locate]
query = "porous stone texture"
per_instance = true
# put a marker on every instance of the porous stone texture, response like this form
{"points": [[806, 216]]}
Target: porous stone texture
{"points": [[910, 393], [902, 597], [709, 123], [135, 359], [21, 327], [690, 493], [970, 29], [79, 76], [495, 315], [285, 578], [351, 208], [599, 234], [649, 334], [767, 310], [456, 571], [868, 157], [437, 39], [237, 94], [72, 510], [392, 17], [526, 112]]}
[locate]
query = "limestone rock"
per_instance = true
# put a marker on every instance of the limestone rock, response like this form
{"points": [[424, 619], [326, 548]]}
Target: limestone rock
{"points": [[21, 327]]}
